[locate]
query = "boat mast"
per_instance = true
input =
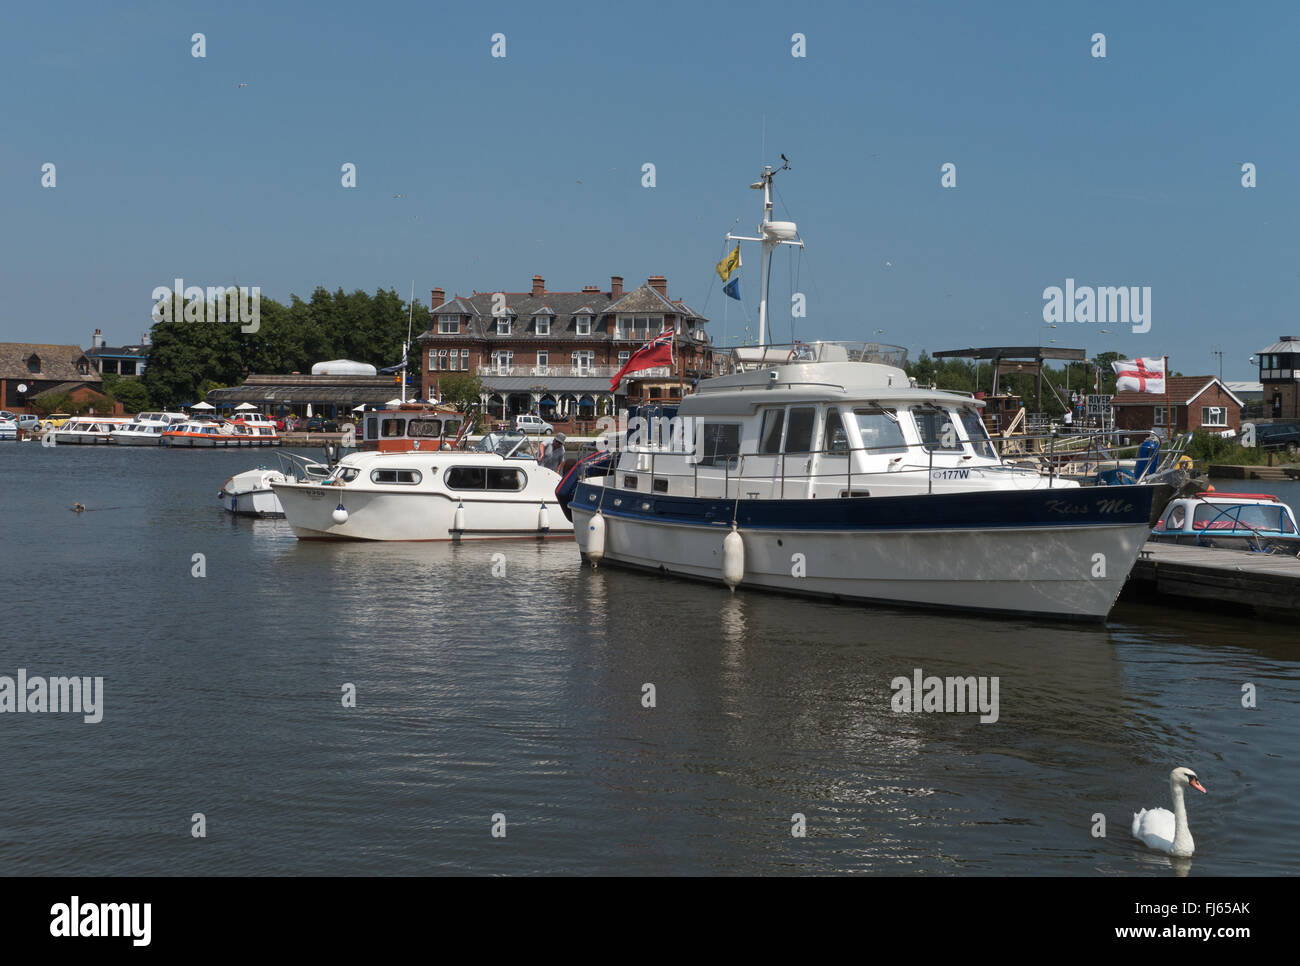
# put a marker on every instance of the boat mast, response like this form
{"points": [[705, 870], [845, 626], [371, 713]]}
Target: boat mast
{"points": [[406, 347], [772, 233]]}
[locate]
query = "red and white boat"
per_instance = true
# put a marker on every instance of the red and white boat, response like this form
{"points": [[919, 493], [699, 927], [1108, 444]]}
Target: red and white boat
{"points": [[205, 434], [410, 427]]}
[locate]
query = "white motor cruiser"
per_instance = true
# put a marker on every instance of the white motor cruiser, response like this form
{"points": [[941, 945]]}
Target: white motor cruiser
{"points": [[496, 489], [818, 468], [88, 430], [146, 429]]}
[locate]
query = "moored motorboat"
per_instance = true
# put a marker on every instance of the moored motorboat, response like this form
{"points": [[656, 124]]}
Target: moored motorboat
{"points": [[821, 469], [88, 430], [1242, 521], [146, 429], [250, 493], [495, 490]]}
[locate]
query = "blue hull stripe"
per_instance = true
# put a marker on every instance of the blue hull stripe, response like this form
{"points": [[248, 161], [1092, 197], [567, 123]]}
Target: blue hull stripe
{"points": [[996, 509]]}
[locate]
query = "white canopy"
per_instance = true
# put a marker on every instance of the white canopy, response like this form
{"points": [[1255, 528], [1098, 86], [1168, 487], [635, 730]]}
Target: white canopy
{"points": [[359, 409], [244, 407], [203, 405], [343, 367]]}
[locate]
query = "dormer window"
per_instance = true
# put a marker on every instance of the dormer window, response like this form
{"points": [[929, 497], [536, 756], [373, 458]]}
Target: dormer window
{"points": [[542, 323], [582, 325], [83, 367], [503, 326], [33, 363], [448, 324]]}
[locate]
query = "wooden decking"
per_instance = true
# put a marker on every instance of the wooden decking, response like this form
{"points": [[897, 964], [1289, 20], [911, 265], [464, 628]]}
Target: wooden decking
{"points": [[1264, 584]]}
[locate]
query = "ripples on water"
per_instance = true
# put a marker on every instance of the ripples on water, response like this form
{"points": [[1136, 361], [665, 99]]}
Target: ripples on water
{"points": [[479, 695]]}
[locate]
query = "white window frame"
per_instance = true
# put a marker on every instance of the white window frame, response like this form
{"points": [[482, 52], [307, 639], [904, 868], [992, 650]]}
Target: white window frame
{"points": [[502, 360], [449, 325], [584, 360], [503, 325], [1159, 418], [1206, 416], [543, 358], [542, 324], [582, 326]]}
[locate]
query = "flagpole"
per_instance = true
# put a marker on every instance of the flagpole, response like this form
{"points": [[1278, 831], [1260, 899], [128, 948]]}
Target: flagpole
{"points": [[1169, 416]]}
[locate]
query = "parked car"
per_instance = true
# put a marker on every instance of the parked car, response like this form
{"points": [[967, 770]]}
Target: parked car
{"points": [[533, 425], [319, 424], [1278, 436], [28, 422], [55, 420], [8, 429]]}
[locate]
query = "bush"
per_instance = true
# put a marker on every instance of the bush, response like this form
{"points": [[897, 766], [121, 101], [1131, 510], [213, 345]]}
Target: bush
{"points": [[1212, 448]]}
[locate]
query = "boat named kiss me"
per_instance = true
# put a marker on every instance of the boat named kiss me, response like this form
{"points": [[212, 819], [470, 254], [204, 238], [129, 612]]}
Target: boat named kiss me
{"points": [[820, 468]]}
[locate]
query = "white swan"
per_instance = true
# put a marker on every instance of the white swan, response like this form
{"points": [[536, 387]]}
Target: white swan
{"points": [[1162, 829]]}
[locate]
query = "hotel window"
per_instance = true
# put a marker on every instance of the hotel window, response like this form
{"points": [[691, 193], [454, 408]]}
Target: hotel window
{"points": [[433, 360], [464, 360], [1214, 415], [503, 359], [543, 359], [637, 327], [582, 361], [442, 359], [623, 357], [503, 326], [449, 324], [542, 325], [453, 360], [583, 325]]}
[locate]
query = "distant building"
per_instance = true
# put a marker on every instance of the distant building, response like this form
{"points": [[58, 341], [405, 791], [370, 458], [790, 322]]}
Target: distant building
{"points": [[1199, 404], [1279, 374], [554, 353], [28, 369], [123, 360]]}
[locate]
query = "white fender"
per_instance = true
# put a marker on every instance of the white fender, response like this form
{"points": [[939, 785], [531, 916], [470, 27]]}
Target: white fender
{"points": [[596, 539], [733, 558], [340, 514], [543, 519], [458, 520]]}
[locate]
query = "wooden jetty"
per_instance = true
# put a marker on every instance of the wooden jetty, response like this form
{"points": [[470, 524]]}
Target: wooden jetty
{"points": [[1267, 585], [1228, 471]]}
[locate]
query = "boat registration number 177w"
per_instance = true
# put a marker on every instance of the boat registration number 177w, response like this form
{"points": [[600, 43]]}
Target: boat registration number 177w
{"points": [[950, 474]]}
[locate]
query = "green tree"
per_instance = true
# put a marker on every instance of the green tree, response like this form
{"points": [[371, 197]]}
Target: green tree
{"points": [[131, 393], [462, 390]]}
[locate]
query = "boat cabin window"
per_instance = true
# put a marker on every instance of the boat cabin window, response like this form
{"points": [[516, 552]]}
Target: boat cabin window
{"points": [[799, 430], [834, 438], [346, 474], [424, 427], [466, 478], [976, 433], [395, 476], [372, 427], [721, 443], [1177, 517], [936, 430], [505, 479], [880, 431], [1210, 516], [769, 437], [393, 428]]}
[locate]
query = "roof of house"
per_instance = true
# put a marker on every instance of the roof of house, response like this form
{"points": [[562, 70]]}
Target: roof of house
{"points": [[64, 387], [123, 351], [1183, 390], [563, 307], [57, 362]]}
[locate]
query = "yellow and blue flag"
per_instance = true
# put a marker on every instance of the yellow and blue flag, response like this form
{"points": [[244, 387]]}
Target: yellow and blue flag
{"points": [[729, 264]]}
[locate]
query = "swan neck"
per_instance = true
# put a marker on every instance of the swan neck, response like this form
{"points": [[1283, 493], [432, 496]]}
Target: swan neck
{"points": [[1182, 834]]}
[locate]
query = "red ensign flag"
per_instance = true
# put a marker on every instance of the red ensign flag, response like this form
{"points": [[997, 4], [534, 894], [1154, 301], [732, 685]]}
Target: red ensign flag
{"points": [[658, 352]]}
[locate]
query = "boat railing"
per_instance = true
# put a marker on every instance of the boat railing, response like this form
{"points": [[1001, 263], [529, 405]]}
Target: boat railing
{"points": [[743, 358], [780, 476], [302, 468]]}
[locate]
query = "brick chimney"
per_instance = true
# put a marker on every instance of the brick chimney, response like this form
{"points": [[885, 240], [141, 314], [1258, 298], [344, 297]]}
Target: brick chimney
{"points": [[436, 298], [590, 290], [659, 283], [615, 287], [539, 286]]}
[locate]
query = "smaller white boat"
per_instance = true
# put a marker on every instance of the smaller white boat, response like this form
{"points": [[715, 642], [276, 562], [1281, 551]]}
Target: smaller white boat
{"points": [[146, 429], [88, 430], [250, 494], [1238, 521]]}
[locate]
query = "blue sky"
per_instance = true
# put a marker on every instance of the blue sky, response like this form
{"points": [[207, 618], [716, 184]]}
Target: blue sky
{"points": [[1115, 171]]}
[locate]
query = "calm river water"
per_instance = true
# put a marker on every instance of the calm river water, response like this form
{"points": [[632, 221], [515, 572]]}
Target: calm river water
{"points": [[520, 696]]}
